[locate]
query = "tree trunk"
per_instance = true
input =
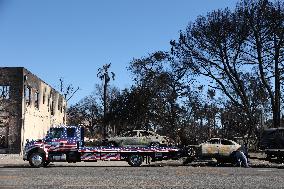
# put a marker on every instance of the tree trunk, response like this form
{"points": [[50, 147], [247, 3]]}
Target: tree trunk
{"points": [[105, 107], [276, 111]]}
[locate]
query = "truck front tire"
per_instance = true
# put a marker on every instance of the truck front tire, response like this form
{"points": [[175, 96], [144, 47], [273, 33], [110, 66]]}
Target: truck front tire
{"points": [[135, 160], [37, 159]]}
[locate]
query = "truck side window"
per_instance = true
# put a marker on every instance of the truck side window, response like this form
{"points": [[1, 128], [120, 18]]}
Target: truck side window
{"points": [[71, 132], [56, 133]]}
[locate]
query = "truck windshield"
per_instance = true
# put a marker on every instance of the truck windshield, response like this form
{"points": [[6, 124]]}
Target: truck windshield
{"points": [[55, 132]]}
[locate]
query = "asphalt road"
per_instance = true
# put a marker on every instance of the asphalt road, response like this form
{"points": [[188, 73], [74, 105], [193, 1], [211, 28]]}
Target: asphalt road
{"points": [[120, 175]]}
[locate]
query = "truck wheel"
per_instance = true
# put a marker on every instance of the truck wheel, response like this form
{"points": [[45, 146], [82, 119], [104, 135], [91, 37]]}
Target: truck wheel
{"points": [[36, 159], [135, 160]]}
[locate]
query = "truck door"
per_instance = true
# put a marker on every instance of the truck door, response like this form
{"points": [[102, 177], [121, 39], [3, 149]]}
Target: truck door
{"points": [[54, 138], [72, 138]]}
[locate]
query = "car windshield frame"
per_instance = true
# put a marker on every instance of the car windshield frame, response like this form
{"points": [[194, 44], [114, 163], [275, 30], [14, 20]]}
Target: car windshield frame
{"points": [[210, 141], [232, 143], [130, 134]]}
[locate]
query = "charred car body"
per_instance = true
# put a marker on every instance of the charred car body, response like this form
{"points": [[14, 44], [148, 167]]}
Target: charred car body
{"points": [[139, 138], [223, 150]]}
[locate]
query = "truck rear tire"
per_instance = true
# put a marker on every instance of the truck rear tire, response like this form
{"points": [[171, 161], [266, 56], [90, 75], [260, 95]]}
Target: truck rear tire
{"points": [[135, 160], [36, 159]]}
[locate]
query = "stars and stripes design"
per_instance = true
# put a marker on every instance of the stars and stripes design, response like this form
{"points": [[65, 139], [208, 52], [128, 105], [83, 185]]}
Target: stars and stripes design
{"points": [[127, 149], [62, 145], [92, 156]]}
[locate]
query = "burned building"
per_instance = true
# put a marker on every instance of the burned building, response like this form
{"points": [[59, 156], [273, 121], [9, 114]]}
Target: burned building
{"points": [[28, 108]]}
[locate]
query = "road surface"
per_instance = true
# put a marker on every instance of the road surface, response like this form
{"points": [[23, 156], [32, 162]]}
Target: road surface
{"points": [[120, 175]]}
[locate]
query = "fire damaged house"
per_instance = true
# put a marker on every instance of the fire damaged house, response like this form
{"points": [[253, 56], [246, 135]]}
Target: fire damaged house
{"points": [[28, 108]]}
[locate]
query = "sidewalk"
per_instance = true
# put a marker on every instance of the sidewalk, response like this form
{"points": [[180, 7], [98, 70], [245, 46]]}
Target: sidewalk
{"points": [[17, 160], [11, 159]]}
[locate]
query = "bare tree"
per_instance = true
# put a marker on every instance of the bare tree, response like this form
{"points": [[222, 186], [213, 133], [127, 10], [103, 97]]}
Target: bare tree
{"points": [[211, 47], [67, 90], [265, 47], [86, 113], [104, 75], [227, 45], [165, 81]]}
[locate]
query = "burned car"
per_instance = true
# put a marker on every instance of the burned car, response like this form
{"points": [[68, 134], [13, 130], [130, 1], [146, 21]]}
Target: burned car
{"points": [[139, 138], [223, 150], [218, 148]]}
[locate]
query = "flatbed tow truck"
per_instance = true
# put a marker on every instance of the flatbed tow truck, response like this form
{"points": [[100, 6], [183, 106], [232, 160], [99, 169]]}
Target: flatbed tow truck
{"points": [[66, 144]]}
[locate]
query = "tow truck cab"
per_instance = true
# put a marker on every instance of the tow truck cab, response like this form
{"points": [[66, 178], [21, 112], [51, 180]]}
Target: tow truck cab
{"points": [[60, 144], [66, 135]]}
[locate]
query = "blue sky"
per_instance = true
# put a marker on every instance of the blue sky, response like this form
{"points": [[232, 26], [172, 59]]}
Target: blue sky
{"points": [[72, 39]]}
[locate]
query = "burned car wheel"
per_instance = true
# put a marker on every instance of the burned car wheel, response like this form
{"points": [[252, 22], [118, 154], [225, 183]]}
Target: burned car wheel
{"points": [[36, 159], [135, 160], [239, 159]]}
